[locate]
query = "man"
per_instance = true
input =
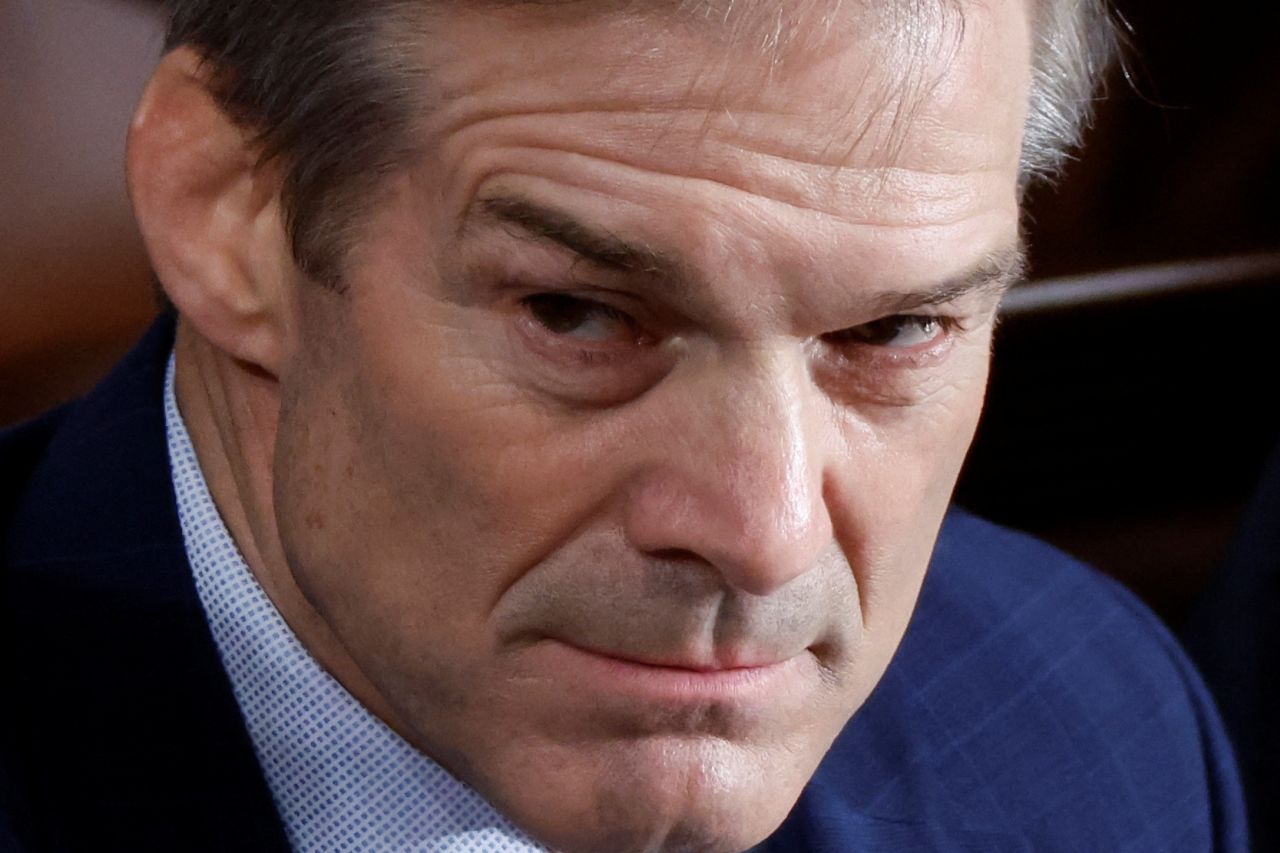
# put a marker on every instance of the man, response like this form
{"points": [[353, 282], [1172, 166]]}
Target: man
{"points": [[568, 396]]}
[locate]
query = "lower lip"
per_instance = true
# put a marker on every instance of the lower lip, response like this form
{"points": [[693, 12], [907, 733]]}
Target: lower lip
{"points": [[632, 679]]}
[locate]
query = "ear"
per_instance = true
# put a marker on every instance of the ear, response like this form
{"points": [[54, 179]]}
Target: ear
{"points": [[210, 216]]}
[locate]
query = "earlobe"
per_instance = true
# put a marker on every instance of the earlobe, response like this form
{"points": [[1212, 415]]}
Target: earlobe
{"points": [[210, 215]]}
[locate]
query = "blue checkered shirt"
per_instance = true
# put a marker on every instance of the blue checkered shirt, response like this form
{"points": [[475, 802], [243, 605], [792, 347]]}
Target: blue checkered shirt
{"points": [[342, 780]]}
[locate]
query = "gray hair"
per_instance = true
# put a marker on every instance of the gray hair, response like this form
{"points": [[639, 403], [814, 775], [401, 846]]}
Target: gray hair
{"points": [[329, 88], [1074, 42]]}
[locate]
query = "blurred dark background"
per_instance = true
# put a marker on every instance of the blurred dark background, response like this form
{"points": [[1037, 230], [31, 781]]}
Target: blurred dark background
{"points": [[1131, 397], [1131, 405]]}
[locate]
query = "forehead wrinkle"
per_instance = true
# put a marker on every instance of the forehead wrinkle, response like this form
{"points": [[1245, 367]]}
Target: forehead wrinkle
{"points": [[888, 197], [949, 208], [709, 117], [651, 51], [625, 137]]}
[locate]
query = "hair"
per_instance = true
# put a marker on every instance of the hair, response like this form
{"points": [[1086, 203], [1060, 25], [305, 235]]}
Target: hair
{"points": [[330, 88], [1074, 42]]}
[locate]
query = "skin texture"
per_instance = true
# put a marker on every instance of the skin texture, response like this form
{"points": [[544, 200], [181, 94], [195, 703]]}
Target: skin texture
{"points": [[611, 478]]}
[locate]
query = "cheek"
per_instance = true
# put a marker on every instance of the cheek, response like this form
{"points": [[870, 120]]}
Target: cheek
{"points": [[922, 447], [417, 482], [889, 498]]}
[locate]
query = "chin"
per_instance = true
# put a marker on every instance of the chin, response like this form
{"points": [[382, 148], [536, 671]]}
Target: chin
{"points": [[665, 795]]}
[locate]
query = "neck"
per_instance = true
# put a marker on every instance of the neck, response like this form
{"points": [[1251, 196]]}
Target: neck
{"points": [[231, 411]]}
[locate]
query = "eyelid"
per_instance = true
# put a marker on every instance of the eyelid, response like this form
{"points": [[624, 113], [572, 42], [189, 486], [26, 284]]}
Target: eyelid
{"points": [[587, 308], [581, 371], [854, 373], [948, 325], [566, 349], [566, 283]]}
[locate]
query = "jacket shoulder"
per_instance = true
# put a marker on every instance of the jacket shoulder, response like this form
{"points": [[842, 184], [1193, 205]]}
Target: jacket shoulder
{"points": [[118, 710], [22, 447], [1032, 696], [91, 477]]}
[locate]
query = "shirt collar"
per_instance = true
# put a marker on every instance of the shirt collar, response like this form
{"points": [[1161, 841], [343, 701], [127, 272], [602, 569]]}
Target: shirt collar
{"points": [[340, 777]]}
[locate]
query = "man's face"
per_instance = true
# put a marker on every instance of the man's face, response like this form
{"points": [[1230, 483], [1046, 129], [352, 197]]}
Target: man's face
{"points": [[617, 468]]}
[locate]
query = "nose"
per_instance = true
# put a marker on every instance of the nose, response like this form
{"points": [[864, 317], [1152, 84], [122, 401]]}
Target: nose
{"points": [[736, 477]]}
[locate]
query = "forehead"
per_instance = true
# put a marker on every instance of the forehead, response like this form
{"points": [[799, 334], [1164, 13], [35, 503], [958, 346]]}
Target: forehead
{"points": [[852, 136], [863, 84]]}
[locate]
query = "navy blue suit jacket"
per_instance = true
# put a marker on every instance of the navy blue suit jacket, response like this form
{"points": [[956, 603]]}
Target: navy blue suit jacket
{"points": [[1032, 706]]}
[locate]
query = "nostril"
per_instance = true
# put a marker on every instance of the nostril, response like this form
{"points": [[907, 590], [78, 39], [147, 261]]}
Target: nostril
{"points": [[675, 555]]}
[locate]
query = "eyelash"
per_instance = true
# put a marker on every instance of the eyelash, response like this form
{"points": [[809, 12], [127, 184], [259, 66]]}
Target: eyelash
{"points": [[948, 327]]}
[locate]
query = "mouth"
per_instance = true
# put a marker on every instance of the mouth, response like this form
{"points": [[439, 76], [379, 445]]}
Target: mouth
{"points": [[743, 681]]}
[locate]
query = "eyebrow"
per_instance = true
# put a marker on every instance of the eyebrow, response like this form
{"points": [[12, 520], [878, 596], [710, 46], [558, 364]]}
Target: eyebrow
{"points": [[992, 275], [593, 244]]}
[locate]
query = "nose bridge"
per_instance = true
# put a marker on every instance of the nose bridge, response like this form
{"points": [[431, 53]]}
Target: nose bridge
{"points": [[767, 446], [741, 486]]}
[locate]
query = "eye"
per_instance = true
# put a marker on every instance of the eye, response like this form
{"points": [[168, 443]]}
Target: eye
{"points": [[584, 351], [900, 331], [581, 320]]}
